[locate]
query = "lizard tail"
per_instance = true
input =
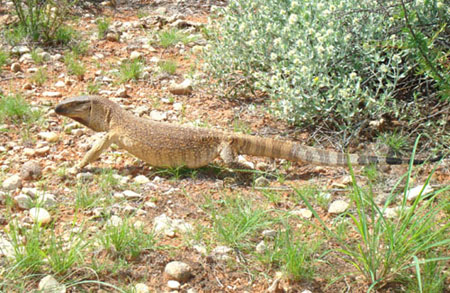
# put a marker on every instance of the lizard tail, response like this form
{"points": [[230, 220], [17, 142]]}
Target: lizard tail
{"points": [[274, 148]]}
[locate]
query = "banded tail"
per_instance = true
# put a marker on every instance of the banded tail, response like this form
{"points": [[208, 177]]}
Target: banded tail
{"points": [[292, 151]]}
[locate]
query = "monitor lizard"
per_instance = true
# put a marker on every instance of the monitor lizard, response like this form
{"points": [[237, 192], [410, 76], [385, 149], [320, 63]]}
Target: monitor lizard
{"points": [[163, 144]]}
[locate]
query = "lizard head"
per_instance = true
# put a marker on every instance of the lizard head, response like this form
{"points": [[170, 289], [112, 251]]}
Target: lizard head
{"points": [[93, 112]]}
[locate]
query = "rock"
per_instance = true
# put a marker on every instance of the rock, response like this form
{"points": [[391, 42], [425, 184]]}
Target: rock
{"points": [[269, 233], [135, 55], [304, 213], [413, 193], [141, 288], [165, 225], [174, 285], [184, 88], [15, 67], [42, 151], [60, 83], [155, 59], [2, 197], [23, 201], [40, 215], [129, 194], [85, 176], [45, 56], [158, 115], [48, 284], [179, 271], [46, 200], [31, 191], [391, 213], [261, 247], [178, 106], [7, 249], [114, 221], [12, 183], [32, 70], [338, 207], [27, 86], [122, 92], [262, 166], [262, 182], [52, 94], [141, 179], [160, 11], [20, 50], [222, 250], [197, 49], [31, 170], [112, 36], [49, 136], [181, 23], [200, 249]]}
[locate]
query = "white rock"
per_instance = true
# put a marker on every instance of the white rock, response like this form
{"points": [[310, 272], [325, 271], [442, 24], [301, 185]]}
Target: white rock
{"points": [[85, 176], [158, 115], [141, 179], [23, 201], [20, 49], [46, 200], [49, 136], [261, 247], [45, 56], [179, 271], [222, 250], [48, 284], [338, 207], [114, 221], [262, 182], [174, 285], [200, 249], [413, 193], [135, 55], [162, 224], [184, 88], [304, 213], [40, 215], [306, 291], [2, 197], [155, 59], [12, 183], [52, 94], [269, 233], [141, 288], [31, 191], [197, 49], [6, 249], [129, 194], [391, 213], [60, 83], [178, 106]]}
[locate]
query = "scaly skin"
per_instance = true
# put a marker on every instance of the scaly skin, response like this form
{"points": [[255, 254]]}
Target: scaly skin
{"points": [[163, 144]]}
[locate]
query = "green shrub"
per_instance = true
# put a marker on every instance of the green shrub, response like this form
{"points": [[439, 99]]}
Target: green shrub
{"points": [[168, 66], [4, 56], [332, 62], [130, 70], [16, 110], [42, 20], [102, 26]]}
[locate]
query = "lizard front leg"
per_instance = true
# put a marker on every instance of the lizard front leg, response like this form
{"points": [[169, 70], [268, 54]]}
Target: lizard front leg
{"points": [[99, 146]]}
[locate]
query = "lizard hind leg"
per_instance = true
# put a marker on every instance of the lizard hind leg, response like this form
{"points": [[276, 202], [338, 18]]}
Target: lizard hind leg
{"points": [[229, 157]]}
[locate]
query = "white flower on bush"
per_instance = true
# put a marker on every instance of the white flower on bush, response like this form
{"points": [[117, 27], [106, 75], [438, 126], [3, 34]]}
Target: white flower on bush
{"points": [[273, 56], [277, 42], [292, 53], [269, 27], [293, 19], [353, 75], [254, 33], [384, 68], [299, 43], [304, 69], [347, 37], [294, 4], [297, 61], [242, 27], [320, 49], [396, 58], [283, 12]]}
